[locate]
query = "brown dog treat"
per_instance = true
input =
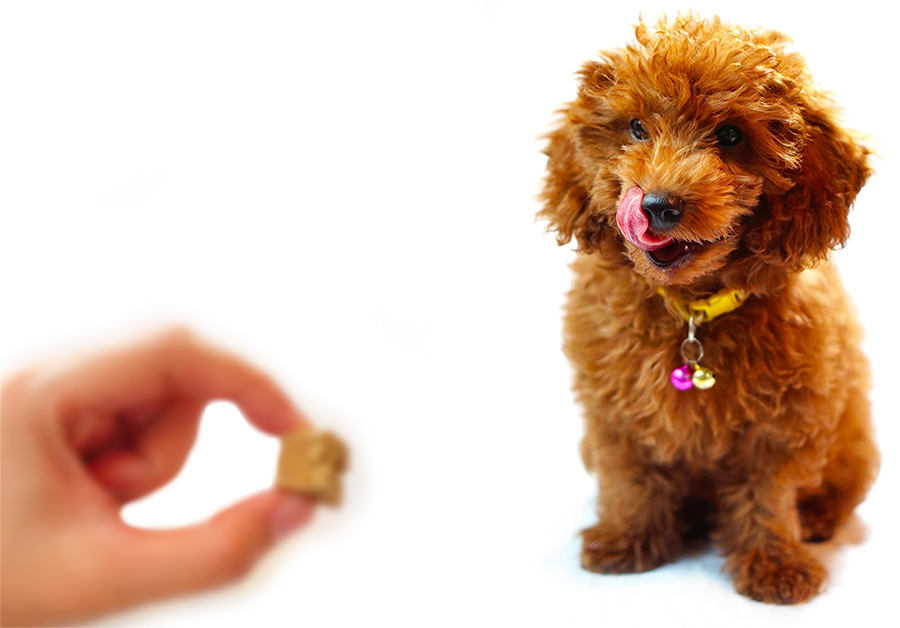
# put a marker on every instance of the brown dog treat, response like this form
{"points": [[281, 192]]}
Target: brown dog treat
{"points": [[311, 462]]}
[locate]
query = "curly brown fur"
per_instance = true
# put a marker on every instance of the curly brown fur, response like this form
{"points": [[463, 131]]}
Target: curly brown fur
{"points": [[781, 448]]}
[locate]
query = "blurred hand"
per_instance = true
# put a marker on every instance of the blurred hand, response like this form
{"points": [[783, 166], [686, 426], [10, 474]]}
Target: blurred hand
{"points": [[80, 441]]}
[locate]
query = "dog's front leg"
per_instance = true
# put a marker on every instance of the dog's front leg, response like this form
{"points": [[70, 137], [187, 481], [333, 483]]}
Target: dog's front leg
{"points": [[639, 527], [759, 532]]}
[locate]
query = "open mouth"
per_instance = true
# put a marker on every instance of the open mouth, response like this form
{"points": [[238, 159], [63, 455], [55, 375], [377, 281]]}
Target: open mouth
{"points": [[663, 252], [672, 253]]}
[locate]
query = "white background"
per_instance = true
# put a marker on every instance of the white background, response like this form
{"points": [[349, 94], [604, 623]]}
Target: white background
{"points": [[344, 192]]}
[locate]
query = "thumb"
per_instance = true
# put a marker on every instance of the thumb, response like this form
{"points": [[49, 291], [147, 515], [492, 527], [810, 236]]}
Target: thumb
{"points": [[218, 551]]}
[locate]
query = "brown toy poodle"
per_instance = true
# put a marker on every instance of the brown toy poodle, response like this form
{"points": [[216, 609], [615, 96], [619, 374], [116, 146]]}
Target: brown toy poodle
{"points": [[706, 179]]}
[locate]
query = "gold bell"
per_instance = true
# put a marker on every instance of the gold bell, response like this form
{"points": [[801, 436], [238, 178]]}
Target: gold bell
{"points": [[703, 378]]}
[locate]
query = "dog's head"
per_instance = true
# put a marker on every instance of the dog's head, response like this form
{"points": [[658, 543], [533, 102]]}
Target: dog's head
{"points": [[703, 149]]}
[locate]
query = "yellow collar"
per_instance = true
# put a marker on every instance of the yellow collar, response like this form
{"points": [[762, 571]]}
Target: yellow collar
{"points": [[703, 310]]}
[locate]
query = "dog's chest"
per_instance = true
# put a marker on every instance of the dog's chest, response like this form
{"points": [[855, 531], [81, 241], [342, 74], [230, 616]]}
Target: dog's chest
{"points": [[624, 362], [672, 423]]}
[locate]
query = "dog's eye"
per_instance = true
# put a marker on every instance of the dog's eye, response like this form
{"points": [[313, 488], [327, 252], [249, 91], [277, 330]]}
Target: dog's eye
{"points": [[638, 131], [729, 135]]}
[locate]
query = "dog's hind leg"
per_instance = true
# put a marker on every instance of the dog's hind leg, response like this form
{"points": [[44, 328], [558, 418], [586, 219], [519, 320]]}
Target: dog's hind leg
{"points": [[850, 471]]}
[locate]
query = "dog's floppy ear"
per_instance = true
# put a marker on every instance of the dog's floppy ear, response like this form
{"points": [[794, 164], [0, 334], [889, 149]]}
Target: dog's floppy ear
{"points": [[808, 220], [567, 183]]}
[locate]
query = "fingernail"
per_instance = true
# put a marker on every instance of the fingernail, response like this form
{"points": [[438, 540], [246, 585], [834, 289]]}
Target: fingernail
{"points": [[291, 514]]}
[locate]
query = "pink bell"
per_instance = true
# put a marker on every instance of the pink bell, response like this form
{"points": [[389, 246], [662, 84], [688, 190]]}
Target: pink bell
{"points": [[682, 377]]}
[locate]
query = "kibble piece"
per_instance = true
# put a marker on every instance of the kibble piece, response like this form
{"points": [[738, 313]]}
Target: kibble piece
{"points": [[311, 462]]}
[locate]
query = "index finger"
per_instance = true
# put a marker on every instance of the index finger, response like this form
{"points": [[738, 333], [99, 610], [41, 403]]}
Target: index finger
{"points": [[177, 365]]}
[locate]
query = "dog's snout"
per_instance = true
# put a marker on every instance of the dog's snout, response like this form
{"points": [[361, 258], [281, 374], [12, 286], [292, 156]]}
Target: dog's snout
{"points": [[663, 210]]}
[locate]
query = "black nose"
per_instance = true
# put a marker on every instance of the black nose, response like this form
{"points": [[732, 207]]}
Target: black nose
{"points": [[663, 210]]}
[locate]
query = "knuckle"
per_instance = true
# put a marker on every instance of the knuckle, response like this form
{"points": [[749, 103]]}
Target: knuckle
{"points": [[177, 337]]}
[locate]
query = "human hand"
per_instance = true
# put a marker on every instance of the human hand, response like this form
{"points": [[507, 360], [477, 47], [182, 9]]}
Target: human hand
{"points": [[78, 442]]}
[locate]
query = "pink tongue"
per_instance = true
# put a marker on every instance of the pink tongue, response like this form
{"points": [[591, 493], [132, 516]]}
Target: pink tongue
{"points": [[633, 222]]}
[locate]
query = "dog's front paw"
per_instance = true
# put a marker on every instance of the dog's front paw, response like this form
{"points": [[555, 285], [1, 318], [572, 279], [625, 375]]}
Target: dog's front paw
{"points": [[785, 574], [605, 550]]}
